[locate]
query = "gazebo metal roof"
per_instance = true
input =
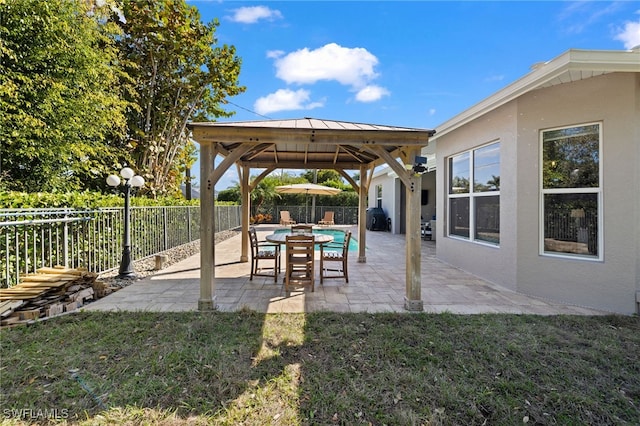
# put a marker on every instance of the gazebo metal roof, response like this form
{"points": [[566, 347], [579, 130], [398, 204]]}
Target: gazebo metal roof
{"points": [[308, 142]]}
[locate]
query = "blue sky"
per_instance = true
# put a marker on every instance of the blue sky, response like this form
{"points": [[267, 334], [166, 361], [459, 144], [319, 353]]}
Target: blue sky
{"points": [[414, 63]]}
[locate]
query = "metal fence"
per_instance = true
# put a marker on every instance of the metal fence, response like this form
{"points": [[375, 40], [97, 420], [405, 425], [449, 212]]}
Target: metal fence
{"points": [[303, 214], [92, 239]]}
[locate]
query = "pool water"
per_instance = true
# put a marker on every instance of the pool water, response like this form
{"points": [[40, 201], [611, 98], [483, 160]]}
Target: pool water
{"points": [[338, 237]]}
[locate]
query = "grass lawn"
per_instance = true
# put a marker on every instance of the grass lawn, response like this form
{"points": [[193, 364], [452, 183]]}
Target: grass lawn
{"points": [[322, 369]]}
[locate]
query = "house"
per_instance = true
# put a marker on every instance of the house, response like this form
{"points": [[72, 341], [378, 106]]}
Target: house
{"points": [[537, 187]]}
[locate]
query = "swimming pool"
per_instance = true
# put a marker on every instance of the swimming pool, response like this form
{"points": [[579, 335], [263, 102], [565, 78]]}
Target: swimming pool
{"points": [[338, 237]]}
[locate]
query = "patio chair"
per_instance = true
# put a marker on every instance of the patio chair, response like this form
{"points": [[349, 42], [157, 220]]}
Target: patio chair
{"points": [[327, 219], [300, 262], [263, 251], [285, 218], [337, 253], [301, 229]]}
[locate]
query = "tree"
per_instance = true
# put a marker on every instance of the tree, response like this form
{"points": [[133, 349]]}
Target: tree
{"points": [[60, 95], [327, 177], [178, 77]]}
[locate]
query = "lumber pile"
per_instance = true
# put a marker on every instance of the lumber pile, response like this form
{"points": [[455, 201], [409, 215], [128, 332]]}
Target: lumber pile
{"points": [[49, 292]]}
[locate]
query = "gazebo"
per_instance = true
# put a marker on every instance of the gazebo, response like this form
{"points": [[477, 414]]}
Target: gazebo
{"points": [[309, 143]]}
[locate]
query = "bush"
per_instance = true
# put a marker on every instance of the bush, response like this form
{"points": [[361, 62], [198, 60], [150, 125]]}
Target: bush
{"points": [[81, 200]]}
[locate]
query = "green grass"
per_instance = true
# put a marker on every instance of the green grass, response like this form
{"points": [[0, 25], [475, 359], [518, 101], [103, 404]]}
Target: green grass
{"points": [[322, 369]]}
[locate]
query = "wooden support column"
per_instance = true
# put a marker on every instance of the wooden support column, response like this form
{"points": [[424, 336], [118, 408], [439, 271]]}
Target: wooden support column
{"points": [[413, 298], [362, 214], [207, 229], [245, 192]]}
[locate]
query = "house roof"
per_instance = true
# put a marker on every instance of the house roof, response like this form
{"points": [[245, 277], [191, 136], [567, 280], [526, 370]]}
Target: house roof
{"points": [[573, 65], [308, 142]]}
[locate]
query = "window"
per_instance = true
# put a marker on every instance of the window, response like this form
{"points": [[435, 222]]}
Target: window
{"points": [[571, 193], [474, 194], [379, 196]]}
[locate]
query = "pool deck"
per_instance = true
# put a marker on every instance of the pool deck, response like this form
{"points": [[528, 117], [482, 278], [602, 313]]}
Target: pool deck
{"points": [[375, 286]]}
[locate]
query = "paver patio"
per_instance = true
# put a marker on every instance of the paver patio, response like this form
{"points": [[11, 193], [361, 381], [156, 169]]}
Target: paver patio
{"points": [[375, 286]]}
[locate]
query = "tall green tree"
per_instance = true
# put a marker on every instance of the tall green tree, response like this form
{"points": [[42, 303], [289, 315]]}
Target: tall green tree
{"points": [[179, 76], [61, 109]]}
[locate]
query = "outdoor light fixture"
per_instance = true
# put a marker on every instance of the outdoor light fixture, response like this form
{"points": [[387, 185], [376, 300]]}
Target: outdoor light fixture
{"points": [[419, 167], [130, 179]]}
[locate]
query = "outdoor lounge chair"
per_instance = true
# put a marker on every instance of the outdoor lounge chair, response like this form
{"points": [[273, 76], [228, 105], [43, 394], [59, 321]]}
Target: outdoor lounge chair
{"points": [[335, 253], [300, 262], [327, 219], [285, 218], [263, 251]]}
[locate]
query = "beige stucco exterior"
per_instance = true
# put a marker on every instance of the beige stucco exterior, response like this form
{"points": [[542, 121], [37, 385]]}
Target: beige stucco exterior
{"points": [[612, 283]]}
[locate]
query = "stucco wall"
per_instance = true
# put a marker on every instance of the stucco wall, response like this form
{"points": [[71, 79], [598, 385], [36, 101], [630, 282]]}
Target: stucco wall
{"points": [[496, 264], [611, 284], [389, 204]]}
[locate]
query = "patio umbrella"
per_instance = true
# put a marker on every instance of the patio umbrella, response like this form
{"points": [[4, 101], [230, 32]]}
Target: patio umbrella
{"points": [[307, 188]]}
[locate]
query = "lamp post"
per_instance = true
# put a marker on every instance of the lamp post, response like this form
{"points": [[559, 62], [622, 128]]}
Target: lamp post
{"points": [[130, 179]]}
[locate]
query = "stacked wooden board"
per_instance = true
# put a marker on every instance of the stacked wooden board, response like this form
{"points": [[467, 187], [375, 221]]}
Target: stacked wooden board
{"points": [[48, 292]]}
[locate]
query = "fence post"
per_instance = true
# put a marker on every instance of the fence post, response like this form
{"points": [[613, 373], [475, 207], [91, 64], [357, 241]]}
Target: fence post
{"points": [[65, 244]]}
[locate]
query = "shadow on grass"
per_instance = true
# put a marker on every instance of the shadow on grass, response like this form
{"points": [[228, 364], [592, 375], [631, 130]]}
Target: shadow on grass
{"points": [[325, 368]]}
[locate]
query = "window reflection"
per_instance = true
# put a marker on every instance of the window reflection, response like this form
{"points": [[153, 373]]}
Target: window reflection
{"points": [[459, 174], [486, 168]]}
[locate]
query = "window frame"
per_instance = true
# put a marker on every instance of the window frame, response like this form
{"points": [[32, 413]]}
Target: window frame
{"points": [[575, 191], [472, 195]]}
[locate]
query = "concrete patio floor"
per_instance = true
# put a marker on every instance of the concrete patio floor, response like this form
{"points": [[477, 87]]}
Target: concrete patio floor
{"points": [[375, 286]]}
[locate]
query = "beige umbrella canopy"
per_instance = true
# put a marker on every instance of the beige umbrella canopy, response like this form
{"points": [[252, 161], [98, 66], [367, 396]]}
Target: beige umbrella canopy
{"points": [[307, 188]]}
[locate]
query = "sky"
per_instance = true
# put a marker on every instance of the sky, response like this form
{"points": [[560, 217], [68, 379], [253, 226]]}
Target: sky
{"points": [[400, 63]]}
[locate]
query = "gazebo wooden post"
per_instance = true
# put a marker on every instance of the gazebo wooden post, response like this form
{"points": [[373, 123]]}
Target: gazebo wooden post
{"points": [[413, 298], [207, 229], [245, 192], [362, 214]]}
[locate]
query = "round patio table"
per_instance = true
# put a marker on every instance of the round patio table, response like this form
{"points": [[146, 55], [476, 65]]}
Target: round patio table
{"points": [[281, 237]]}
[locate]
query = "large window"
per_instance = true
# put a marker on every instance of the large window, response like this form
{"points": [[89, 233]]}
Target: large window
{"points": [[474, 194], [571, 194]]}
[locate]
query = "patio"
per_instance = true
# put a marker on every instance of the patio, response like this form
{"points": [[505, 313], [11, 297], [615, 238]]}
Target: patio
{"points": [[375, 286]]}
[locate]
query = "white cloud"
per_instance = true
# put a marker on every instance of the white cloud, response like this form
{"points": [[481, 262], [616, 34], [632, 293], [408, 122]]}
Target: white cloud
{"points": [[285, 100], [630, 34], [494, 77], [432, 111], [371, 93], [348, 66], [252, 14], [274, 54]]}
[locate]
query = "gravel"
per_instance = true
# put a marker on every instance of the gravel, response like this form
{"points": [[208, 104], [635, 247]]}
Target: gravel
{"points": [[145, 267]]}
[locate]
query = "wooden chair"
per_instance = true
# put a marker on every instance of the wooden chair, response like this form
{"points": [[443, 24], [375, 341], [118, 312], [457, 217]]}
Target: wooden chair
{"points": [[335, 253], [285, 218], [300, 268], [301, 229], [327, 219], [261, 250]]}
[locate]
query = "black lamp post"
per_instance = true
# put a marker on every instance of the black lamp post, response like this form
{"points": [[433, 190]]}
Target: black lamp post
{"points": [[130, 179]]}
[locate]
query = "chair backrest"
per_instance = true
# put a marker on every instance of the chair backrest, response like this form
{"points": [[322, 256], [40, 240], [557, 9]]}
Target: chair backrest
{"points": [[301, 229], [345, 244], [253, 238], [284, 215], [300, 247], [328, 216]]}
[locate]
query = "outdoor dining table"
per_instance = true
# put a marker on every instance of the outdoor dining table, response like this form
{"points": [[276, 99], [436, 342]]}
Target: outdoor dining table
{"points": [[281, 237]]}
